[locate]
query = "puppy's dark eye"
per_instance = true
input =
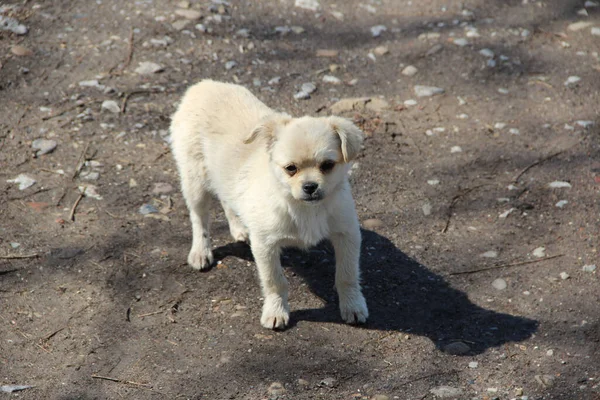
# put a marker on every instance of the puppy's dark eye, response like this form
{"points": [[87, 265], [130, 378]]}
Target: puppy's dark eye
{"points": [[327, 166], [291, 169]]}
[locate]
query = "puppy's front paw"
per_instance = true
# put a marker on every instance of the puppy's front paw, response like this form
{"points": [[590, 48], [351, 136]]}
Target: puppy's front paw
{"points": [[276, 313], [353, 308], [200, 258]]}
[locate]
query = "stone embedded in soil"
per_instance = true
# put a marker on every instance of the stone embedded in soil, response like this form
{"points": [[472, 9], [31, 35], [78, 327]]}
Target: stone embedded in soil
{"points": [[446, 392], [572, 80], [327, 53], [433, 182], [24, 181], [91, 83], [589, 268], [275, 390], [112, 106], [410, 102], [312, 5], [487, 53], [595, 31], [545, 380], [456, 149], [499, 284], [584, 124], [564, 276], [329, 382], [561, 203], [230, 65], [21, 51], [410, 70], [559, 184], [12, 25], [490, 254], [473, 364], [90, 191], [146, 209], [303, 382], [43, 146], [427, 91], [377, 30], [180, 24], [461, 42], [192, 15], [162, 188], [426, 209], [457, 348], [372, 223], [381, 50], [331, 79], [148, 68], [539, 252], [577, 26]]}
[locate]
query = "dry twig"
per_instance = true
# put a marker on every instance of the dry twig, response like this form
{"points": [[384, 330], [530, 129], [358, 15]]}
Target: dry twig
{"points": [[453, 202], [18, 256], [107, 378], [74, 208], [541, 160], [515, 264]]}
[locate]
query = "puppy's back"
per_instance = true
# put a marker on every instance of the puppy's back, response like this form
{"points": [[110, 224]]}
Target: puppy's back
{"points": [[216, 108]]}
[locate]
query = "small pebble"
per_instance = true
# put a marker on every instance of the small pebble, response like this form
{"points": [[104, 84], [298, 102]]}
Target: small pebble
{"points": [[329, 382], [43, 146], [112, 106], [311, 5], [410, 71], [377, 30], [559, 184], [499, 284], [589, 268], [473, 364], [539, 252], [12, 25], [148, 68], [461, 42], [23, 180], [499, 125], [426, 209], [572, 80], [584, 124], [433, 182], [487, 53], [410, 103], [564, 276], [445, 392], [456, 149], [372, 223], [146, 209], [21, 51], [577, 26], [595, 31], [561, 203], [550, 353], [514, 131], [331, 79], [230, 65], [275, 390], [192, 15], [490, 254], [427, 91], [162, 188]]}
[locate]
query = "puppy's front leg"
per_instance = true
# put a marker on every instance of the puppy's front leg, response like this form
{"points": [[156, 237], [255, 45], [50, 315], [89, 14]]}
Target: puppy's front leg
{"points": [[353, 306], [276, 312]]}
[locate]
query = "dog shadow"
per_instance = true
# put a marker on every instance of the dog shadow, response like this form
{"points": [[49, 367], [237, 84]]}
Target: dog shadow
{"points": [[402, 295]]}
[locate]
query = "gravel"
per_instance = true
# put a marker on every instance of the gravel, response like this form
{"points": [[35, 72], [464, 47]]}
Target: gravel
{"points": [[427, 91], [43, 146]]}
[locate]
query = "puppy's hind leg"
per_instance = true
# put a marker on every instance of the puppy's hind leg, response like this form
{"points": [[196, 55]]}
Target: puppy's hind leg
{"points": [[236, 227], [198, 200]]}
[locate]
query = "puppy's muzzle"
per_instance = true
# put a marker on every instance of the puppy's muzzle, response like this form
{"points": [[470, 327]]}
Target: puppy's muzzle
{"points": [[311, 191]]}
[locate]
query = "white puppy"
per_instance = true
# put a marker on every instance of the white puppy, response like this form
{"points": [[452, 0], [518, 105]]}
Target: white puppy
{"points": [[282, 182]]}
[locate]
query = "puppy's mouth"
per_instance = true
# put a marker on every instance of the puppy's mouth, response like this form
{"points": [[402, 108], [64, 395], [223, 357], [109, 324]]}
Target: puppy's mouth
{"points": [[313, 198]]}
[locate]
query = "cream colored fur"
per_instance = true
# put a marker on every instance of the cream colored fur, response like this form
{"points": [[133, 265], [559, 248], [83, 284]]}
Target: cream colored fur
{"points": [[229, 144]]}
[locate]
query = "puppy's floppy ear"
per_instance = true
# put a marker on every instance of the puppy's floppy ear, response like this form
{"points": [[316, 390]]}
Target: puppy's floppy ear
{"points": [[350, 135], [268, 127]]}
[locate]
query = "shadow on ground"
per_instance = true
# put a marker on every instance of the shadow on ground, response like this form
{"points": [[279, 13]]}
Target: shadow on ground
{"points": [[403, 296]]}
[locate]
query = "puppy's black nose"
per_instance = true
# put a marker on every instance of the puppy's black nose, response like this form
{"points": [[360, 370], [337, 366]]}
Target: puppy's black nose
{"points": [[310, 187]]}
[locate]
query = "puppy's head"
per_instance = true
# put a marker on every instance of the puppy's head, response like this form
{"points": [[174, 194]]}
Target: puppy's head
{"points": [[309, 156]]}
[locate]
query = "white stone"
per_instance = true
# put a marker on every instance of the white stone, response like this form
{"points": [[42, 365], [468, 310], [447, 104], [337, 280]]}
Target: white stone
{"points": [[487, 53], [410, 70], [230, 65], [112, 106], [410, 103], [148, 68], [462, 116], [433, 182], [499, 125], [585, 124], [456, 149], [427, 91], [460, 42], [377, 30], [571, 80], [589, 268], [499, 284], [490, 254], [514, 131], [559, 184], [561, 203], [312, 5], [564, 276], [473, 364], [539, 252], [331, 79], [595, 31], [426, 209], [23, 180], [192, 15], [577, 26], [506, 213], [12, 25]]}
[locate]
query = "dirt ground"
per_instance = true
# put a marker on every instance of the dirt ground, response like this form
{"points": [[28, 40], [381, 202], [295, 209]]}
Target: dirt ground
{"points": [[479, 276]]}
